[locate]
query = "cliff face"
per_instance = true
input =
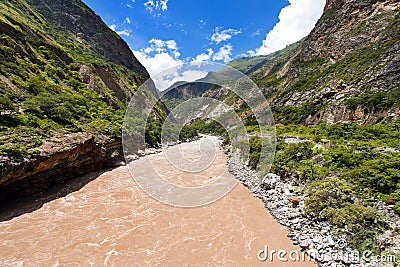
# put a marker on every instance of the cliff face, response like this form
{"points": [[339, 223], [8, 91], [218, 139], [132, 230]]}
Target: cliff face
{"points": [[65, 81], [346, 70], [353, 59], [65, 157], [347, 26], [74, 17]]}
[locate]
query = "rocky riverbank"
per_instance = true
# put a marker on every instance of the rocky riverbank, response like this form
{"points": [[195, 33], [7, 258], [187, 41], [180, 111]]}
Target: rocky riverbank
{"points": [[285, 202]]}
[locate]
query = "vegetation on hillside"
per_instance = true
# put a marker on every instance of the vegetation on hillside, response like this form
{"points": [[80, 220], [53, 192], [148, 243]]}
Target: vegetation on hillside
{"points": [[43, 92], [343, 168]]}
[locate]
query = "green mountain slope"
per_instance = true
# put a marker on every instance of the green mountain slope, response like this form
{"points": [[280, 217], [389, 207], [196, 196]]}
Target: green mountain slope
{"points": [[261, 66], [346, 70], [65, 81]]}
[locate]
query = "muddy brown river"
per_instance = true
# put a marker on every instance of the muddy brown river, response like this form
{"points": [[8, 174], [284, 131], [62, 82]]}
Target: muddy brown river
{"points": [[111, 221]]}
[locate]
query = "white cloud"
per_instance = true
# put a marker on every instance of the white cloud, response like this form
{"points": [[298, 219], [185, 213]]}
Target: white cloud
{"points": [[163, 56], [127, 20], [163, 4], [124, 32], [256, 33], [202, 23], [220, 36], [203, 57], [160, 46], [186, 76], [152, 5], [121, 32], [159, 56], [224, 54], [295, 22], [130, 5], [158, 63]]}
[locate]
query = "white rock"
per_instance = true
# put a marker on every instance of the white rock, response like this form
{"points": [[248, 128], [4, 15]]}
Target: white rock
{"points": [[331, 243], [270, 180]]}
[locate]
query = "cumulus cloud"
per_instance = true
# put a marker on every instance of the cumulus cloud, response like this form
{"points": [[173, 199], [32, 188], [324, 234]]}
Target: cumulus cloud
{"points": [[163, 56], [152, 6], [159, 56], [125, 32], [224, 54], [223, 35], [203, 57], [295, 22]]}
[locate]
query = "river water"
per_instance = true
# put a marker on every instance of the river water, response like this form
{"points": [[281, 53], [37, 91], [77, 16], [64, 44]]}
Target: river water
{"points": [[111, 221]]}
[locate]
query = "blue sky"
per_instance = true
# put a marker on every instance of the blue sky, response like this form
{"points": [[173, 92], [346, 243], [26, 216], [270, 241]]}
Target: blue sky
{"points": [[166, 33]]}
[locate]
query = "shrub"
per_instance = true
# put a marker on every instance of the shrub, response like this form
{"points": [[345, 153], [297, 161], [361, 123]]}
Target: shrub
{"points": [[187, 132], [293, 158], [255, 144], [397, 207], [325, 195], [365, 239], [6, 103], [352, 215], [382, 173], [15, 151], [334, 199]]}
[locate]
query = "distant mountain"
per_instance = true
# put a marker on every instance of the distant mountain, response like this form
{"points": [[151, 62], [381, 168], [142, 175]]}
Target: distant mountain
{"points": [[260, 65], [65, 81], [182, 91]]}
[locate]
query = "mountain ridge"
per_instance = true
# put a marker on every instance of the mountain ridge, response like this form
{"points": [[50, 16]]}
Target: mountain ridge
{"points": [[89, 29], [64, 93]]}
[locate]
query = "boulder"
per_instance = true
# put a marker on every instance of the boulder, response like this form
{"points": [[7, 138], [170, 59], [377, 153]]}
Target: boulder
{"points": [[294, 200], [304, 244], [141, 153], [270, 180]]}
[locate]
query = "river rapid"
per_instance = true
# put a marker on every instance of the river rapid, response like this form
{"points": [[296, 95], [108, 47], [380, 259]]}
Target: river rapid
{"points": [[111, 221]]}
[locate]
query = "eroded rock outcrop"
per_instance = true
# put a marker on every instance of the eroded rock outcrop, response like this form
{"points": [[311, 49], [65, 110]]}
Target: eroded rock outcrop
{"points": [[65, 157]]}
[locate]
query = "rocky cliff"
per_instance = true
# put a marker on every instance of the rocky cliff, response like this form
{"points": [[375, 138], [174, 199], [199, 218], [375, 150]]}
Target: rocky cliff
{"points": [[88, 28], [347, 26], [65, 81], [346, 70]]}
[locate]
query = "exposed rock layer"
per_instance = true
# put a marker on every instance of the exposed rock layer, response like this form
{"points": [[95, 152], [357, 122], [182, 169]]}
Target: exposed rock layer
{"points": [[73, 155]]}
